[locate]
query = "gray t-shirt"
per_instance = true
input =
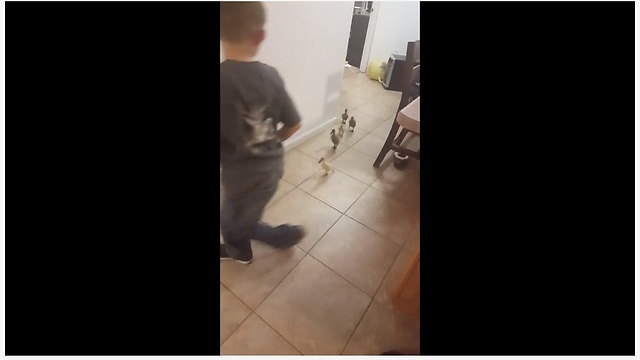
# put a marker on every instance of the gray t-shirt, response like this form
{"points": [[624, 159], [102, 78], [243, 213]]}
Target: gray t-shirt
{"points": [[253, 101]]}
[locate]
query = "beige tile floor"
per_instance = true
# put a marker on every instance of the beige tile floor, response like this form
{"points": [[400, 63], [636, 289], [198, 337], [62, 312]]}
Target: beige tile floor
{"points": [[330, 294]]}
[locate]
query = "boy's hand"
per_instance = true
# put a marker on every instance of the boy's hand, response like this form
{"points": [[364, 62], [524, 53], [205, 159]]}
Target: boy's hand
{"points": [[286, 132]]}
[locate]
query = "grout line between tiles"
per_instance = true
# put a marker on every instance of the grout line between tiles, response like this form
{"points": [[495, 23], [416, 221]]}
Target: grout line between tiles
{"points": [[243, 320], [323, 234], [332, 225], [276, 331], [307, 155], [350, 206], [236, 295], [345, 212], [357, 326], [383, 236], [371, 302], [357, 287], [281, 280], [260, 303], [324, 202], [387, 274], [342, 277], [400, 246], [236, 329]]}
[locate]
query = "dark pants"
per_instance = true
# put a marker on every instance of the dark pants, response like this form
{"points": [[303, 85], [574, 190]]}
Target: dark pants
{"points": [[241, 213]]}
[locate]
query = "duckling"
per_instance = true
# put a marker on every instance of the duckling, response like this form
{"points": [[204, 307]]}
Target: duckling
{"points": [[352, 124], [334, 138], [341, 130], [325, 166], [345, 116]]}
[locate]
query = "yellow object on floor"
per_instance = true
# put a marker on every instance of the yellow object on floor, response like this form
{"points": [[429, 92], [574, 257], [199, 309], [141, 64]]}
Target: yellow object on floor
{"points": [[374, 71]]}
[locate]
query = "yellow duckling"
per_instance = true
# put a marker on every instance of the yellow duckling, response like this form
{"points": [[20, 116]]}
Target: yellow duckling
{"points": [[325, 166]]}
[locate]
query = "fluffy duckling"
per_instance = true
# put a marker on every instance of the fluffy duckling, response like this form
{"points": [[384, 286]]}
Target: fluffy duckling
{"points": [[345, 116], [334, 138], [325, 166], [352, 124], [341, 130]]}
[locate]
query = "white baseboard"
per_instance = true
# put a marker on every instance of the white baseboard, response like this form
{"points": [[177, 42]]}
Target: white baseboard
{"points": [[292, 143]]}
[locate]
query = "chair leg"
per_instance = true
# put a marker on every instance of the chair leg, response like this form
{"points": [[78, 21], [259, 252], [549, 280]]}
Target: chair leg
{"points": [[387, 144], [401, 137]]}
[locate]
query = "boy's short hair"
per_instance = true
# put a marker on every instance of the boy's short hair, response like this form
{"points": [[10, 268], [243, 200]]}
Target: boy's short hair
{"points": [[238, 20]]}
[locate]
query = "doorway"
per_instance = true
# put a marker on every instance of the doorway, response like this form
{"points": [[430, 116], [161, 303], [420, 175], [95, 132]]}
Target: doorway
{"points": [[361, 34]]}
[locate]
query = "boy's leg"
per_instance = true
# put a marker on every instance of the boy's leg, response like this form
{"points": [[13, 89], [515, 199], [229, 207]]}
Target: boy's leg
{"points": [[237, 244], [281, 236], [239, 216]]}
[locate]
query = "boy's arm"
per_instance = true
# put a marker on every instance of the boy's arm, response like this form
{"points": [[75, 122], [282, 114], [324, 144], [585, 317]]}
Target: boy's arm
{"points": [[286, 132]]}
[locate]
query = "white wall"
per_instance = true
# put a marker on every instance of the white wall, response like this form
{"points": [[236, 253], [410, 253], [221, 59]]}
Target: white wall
{"points": [[306, 42], [398, 23]]}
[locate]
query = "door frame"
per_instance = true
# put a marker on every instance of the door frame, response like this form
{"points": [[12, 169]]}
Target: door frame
{"points": [[368, 40]]}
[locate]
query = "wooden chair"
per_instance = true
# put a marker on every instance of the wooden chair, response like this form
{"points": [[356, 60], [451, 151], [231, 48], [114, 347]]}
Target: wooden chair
{"points": [[407, 111]]}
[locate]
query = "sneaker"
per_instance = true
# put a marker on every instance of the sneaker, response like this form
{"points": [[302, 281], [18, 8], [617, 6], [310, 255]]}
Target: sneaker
{"points": [[282, 236], [225, 256]]}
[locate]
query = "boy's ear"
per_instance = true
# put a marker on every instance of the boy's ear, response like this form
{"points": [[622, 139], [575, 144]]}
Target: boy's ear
{"points": [[258, 37]]}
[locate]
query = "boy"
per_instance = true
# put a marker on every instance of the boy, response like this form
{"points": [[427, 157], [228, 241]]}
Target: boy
{"points": [[253, 102]]}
